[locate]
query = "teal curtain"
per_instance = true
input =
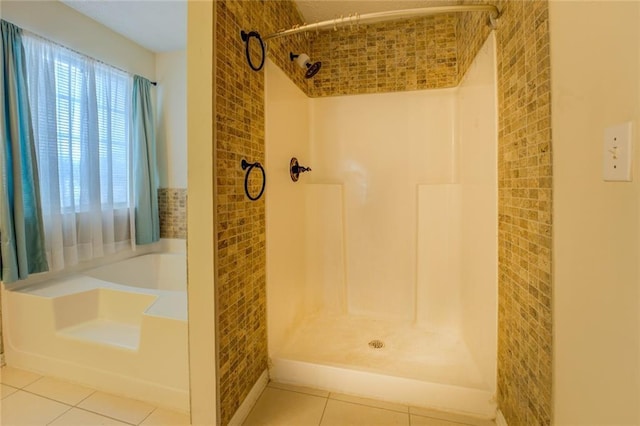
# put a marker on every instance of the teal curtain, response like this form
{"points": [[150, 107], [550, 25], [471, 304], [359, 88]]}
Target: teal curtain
{"points": [[145, 186], [22, 247]]}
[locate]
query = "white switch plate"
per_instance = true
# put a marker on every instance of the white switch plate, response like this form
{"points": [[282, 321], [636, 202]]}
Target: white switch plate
{"points": [[617, 153]]}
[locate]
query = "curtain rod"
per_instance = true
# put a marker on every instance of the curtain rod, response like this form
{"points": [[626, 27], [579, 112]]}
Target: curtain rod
{"points": [[355, 19]]}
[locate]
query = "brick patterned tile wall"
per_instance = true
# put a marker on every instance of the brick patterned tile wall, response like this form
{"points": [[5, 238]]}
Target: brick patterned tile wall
{"points": [[239, 222], [172, 207], [386, 57], [524, 206]]}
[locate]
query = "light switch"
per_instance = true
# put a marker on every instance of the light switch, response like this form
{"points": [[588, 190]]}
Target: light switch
{"points": [[617, 153]]}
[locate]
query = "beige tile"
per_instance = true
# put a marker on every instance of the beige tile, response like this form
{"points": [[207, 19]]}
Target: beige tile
{"points": [[59, 390], [124, 409], [7, 390], [301, 389], [450, 417], [16, 377], [78, 417], [23, 408], [370, 402], [280, 407], [339, 413], [162, 417]]}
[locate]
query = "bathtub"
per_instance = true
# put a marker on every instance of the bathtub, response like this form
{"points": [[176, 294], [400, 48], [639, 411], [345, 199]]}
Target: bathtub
{"points": [[121, 328]]}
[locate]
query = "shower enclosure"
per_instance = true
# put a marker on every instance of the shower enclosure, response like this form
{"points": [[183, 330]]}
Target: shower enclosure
{"points": [[382, 261]]}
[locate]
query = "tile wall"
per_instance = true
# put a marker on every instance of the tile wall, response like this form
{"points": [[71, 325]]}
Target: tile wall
{"points": [[524, 206], [240, 223], [386, 57], [172, 207]]}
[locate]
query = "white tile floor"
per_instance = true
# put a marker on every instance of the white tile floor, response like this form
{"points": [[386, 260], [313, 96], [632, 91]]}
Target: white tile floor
{"points": [[30, 399], [296, 406]]}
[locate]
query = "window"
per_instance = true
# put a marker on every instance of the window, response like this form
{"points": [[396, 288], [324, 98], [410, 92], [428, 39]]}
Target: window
{"points": [[91, 107], [81, 114]]}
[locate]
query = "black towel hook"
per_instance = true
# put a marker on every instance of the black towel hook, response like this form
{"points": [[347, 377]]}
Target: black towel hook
{"points": [[246, 37], [245, 165]]}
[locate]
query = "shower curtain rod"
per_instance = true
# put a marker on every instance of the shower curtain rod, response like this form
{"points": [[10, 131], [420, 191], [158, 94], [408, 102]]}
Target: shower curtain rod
{"points": [[356, 19]]}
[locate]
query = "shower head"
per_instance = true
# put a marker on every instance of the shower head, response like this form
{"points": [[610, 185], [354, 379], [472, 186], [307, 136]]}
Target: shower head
{"points": [[312, 69], [304, 62]]}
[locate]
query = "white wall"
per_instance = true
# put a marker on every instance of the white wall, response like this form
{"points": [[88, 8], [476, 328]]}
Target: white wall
{"points": [[478, 140], [379, 148], [171, 110], [200, 214], [286, 135], [325, 246], [58, 22], [595, 75], [439, 262]]}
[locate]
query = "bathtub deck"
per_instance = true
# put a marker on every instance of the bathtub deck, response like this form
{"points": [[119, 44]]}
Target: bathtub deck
{"points": [[169, 304]]}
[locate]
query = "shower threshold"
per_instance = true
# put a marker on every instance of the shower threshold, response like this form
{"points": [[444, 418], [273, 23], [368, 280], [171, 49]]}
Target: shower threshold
{"points": [[412, 366]]}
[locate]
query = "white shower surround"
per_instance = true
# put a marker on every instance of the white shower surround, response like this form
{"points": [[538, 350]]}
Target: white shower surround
{"points": [[393, 235]]}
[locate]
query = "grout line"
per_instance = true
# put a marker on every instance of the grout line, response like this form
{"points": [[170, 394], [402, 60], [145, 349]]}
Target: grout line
{"points": [[85, 398], [26, 371], [9, 386], [371, 406], [147, 416], [107, 416], [35, 381], [79, 408], [3, 400], [453, 422], [61, 414], [296, 391], [324, 410], [46, 397], [70, 407]]}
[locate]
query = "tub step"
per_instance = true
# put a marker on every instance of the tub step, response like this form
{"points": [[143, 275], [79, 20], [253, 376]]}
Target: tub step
{"points": [[106, 332]]}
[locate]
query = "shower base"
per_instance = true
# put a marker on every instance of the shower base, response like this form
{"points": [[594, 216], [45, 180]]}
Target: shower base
{"points": [[414, 367]]}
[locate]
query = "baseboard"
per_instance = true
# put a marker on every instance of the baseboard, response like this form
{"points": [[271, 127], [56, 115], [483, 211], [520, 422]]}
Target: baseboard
{"points": [[245, 408], [500, 420]]}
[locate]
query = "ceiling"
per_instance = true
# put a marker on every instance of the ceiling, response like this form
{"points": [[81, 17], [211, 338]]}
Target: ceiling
{"points": [[161, 25], [157, 25]]}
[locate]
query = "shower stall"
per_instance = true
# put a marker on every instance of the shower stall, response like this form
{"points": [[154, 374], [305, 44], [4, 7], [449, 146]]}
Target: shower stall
{"points": [[382, 260]]}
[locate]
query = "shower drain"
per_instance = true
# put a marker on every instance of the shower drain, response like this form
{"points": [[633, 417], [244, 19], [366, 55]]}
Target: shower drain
{"points": [[376, 344]]}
